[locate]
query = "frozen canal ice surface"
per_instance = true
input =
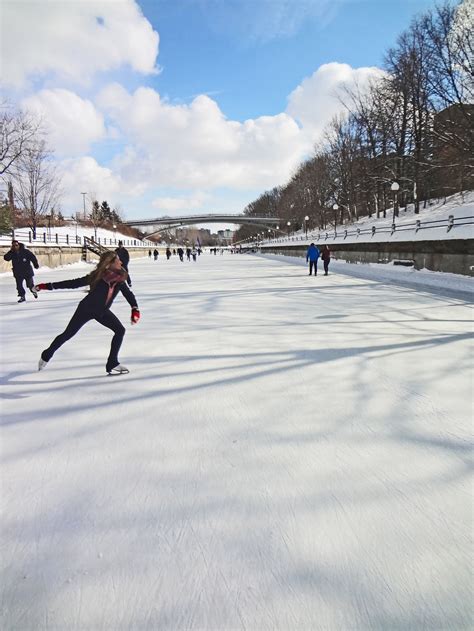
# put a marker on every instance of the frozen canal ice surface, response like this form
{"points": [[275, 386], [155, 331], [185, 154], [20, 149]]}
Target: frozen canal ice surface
{"points": [[287, 452]]}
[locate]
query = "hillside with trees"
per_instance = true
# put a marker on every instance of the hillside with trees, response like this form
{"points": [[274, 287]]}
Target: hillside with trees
{"points": [[406, 139]]}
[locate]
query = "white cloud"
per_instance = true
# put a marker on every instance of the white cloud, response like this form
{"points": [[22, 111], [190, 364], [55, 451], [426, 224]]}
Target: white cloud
{"points": [[72, 123], [191, 147], [315, 101], [195, 146], [190, 202], [86, 175], [74, 39]]}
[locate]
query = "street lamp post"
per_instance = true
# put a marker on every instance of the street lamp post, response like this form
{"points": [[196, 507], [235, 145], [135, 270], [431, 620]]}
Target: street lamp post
{"points": [[306, 219], [335, 208], [395, 188], [288, 223], [115, 228]]}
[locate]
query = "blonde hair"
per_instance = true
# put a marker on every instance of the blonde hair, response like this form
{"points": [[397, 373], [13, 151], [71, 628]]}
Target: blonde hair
{"points": [[106, 258]]}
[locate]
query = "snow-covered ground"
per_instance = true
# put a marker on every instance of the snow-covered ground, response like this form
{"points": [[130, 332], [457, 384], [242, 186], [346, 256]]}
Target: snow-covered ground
{"points": [[434, 223], [287, 452]]}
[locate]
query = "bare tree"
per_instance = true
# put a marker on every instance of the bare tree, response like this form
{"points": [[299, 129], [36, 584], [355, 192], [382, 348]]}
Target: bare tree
{"points": [[414, 125], [18, 132], [451, 78], [36, 182]]}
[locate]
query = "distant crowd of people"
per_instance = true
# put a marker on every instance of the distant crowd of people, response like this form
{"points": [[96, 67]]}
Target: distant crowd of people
{"points": [[191, 253]]}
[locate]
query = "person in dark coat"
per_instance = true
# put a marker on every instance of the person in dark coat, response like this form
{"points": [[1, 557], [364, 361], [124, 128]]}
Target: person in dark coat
{"points": [[155, 254], [105, 281], [312, 255], [22, 261], [326, 257], [180, 253], [168, 254], [124, 256]]}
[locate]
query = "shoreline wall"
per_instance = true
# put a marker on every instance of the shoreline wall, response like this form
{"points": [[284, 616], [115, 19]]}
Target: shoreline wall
{"points": [[61, 255], [452, 256]]}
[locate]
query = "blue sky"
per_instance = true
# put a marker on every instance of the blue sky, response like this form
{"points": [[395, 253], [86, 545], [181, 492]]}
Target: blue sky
{"points": [[168, 107], [250, 74]]}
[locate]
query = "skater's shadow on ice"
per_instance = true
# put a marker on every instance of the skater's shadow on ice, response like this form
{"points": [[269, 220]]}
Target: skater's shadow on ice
{"points": [[10, 377]]}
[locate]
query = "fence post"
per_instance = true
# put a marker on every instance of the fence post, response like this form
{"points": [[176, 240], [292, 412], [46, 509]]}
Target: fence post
{"points": [[450, 223]]}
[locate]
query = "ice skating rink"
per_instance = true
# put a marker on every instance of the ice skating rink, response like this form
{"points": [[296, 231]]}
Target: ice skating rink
{"points": [[287, 453]]}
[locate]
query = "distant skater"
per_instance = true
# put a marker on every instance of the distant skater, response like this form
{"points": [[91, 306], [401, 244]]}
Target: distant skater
{"points": [[312, 255], [105, 281], [326, 257], [124, 256], [22, 261], [155, 254], [168, 254]]}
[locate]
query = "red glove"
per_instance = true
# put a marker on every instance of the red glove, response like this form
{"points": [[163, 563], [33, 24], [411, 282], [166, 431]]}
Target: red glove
{"points": [[42, 286], [135, 315]]}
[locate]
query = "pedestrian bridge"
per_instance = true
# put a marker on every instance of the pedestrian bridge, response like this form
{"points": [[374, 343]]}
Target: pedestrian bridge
{"points": [[159, 224]]}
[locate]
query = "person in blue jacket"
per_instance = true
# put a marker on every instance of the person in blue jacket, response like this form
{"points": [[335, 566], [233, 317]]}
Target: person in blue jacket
{"points": [[22, 259], [312, 255], [105, 281]]}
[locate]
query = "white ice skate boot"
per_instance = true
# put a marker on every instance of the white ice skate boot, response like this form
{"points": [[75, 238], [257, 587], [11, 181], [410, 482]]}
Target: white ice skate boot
{"points": [[119, 369], [42, 364]]}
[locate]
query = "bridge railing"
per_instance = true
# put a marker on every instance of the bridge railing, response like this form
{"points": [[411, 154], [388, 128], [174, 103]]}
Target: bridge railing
{"points": [[51, 238]]}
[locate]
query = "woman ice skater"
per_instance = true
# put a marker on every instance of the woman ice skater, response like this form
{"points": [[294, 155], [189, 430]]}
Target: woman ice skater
{"points": [[105, 281]]}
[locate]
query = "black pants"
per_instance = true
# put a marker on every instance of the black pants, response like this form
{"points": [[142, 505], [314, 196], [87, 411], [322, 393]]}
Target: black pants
{"points": [[129, 280], [315, 264], [80, 317], [326, 267], [30, 282]]}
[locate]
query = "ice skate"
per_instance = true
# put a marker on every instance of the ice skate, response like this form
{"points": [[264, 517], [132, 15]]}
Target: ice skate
{"points": [[42, 364], [118, 370], [22, 299]]}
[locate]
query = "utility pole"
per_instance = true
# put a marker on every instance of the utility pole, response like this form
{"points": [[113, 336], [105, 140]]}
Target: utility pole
{"points": [[11, 206], [84, 203]]}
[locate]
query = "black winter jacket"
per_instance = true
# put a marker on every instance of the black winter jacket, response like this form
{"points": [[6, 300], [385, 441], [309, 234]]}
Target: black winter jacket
{"points": [[21, 262], [95, 301]]}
